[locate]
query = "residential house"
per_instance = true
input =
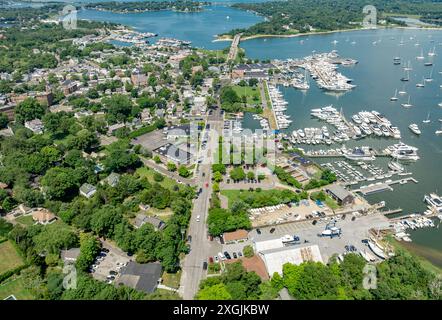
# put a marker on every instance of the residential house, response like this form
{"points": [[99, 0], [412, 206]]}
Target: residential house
{"points": [[142, 277], [69, 87], [111, 179], [141, 219], [43, 216], [36, 126], [87, 190], [70, 255]]}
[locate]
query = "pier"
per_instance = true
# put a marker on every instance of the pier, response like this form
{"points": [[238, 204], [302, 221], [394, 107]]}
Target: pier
{"points": [[383, 186], [234, 47], [340, 155]]}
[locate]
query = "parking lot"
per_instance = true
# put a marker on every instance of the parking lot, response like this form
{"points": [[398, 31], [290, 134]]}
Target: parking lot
{"points": [[152, 140], [353, 232], [109, 263]]}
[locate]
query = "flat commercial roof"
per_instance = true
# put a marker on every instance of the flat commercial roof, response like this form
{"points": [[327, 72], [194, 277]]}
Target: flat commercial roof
{"points": [[274, 259]]}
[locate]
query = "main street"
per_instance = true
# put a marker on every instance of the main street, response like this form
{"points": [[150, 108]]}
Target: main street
{"points": [[201, 247]]}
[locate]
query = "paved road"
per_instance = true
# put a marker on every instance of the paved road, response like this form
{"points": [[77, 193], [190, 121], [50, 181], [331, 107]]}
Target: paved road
{"points": [[201, 247]]}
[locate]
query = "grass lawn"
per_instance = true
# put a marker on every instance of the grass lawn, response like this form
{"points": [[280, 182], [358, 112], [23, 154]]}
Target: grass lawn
{"points": [[15, 286], [25, 220], [252, 94], [332, 204], [172, 280], [263, 197], [148, 173], [164, 214], [10, 259]]}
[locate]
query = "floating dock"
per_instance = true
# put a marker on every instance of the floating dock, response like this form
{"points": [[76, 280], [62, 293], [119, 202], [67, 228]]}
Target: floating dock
{"points": [[382, 186]]}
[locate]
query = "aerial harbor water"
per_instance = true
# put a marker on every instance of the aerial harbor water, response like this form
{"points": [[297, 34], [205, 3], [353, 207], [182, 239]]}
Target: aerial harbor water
{"points": [[376, 77]]}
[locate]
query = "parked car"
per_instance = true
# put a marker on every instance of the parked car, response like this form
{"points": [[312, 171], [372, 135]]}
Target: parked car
{"points": [[234, 255], [204, 265], [239, 254], [105, 250], [227, 255], [221, 256], [258, 231], [216, 259], [198, 218], [189, 238], [110, 277], [272, 230], [210, 259], [113, 273]]}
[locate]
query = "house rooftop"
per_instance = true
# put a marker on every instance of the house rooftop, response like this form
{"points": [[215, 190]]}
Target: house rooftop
{"points": [[142, 277]]}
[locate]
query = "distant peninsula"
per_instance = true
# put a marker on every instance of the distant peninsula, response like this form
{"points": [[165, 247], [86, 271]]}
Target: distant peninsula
{"points": [[297, 17], [145, 6]]}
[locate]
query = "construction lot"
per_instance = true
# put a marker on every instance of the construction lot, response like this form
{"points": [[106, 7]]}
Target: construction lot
{"points": [[353, 232], [287, 214]]}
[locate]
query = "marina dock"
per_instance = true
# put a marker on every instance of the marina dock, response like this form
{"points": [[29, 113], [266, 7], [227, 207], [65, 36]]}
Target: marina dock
{"points": [[383, 186]]}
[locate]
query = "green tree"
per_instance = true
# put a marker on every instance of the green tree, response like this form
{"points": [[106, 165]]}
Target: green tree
{"points": [[171, 166], [89, 249], [216, 292], [29, 109], [248, 251], [183, 171]]}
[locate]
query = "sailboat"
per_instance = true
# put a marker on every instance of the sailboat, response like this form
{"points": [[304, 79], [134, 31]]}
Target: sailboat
{"points": [[432, 53], [397, 60], [428, 119], [407, 105], [408, 67], [394, 98], [406, 76], [430, 77], [421, 57], [421, 84], [402, 92], [439, 132]]}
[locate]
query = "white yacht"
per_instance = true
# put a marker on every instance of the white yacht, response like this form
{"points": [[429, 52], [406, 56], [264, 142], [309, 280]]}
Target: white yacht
{"points": [[415, 129], [401, 151], [360, 154], [434, 201], [396, 166]]}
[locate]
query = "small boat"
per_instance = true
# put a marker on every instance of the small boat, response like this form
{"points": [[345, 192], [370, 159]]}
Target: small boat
{"points": [[428, 64], [432, 53], [428, 119], [408, 104], [415, 129], [406, 77], [376, 249], [421, 84], [394, 98], [421, 56]]}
